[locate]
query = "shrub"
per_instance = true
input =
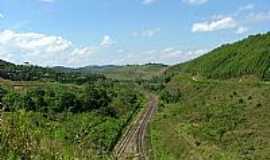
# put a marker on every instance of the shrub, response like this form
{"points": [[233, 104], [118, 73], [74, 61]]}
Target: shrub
{"points": [[170, 96]]}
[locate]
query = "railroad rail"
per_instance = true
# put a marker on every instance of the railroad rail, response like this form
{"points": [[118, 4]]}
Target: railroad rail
{"points": [[133, 140]]}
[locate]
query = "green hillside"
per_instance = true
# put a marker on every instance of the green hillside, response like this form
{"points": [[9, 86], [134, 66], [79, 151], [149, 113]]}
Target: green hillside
{"points": [[206, 112], [250, 56], [133, 72], [126, 72], [212, 120], [33, 73]]}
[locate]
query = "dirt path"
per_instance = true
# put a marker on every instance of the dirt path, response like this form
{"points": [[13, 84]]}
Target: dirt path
{"points": [[132, 143]]}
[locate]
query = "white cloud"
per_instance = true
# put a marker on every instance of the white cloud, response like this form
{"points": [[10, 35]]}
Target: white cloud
{"points": [[147, 2], [247, 7], [42, 49], [259, 16], [1, 16], [106, 42], [167, 50], [120, 51], [215, 25], [241, 20], [241, 30], [173, 55], [168, 55], [195, 2], [147, 33]]}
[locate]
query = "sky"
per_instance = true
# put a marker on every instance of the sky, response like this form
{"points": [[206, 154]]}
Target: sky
{"points": [[77, 33]]}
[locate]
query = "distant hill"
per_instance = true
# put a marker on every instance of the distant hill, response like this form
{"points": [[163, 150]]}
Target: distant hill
{"points": [[4, 63], [29, 72], [250, 56], [87, 69], [4, 67], [127, 72]]}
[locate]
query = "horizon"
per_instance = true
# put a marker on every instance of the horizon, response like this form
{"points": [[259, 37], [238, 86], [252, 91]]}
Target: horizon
{"points": [[138, 64], [97, 33]]}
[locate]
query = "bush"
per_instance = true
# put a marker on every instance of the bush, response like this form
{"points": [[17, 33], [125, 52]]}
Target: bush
{"points": [[2, 93], [170, 96], [95, 97], [67, 101], [12, 101]]}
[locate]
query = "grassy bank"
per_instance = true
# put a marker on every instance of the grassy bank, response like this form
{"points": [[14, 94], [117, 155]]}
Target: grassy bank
{"points": [[213, 120]]}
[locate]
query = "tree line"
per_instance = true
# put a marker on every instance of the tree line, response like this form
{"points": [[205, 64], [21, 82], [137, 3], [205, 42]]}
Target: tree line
{"points": [[104, 97]]}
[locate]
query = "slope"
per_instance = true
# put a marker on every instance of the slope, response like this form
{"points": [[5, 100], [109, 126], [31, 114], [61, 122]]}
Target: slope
{"points": [[250, 56]]}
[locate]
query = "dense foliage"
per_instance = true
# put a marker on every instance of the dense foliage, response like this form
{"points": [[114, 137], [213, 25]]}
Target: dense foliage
{"points": [[250, 56], [64, 121], [33, 73]]}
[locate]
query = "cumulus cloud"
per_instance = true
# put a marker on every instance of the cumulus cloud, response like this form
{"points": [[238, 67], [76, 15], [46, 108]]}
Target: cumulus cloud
{"points": [[1, 16], [121, 51], [173, 55], [147, 2], [240, 21], [106, 42], [247, 7], [214, 25], [241, 30], [147, 33], [195, 2], [168, 55], [42, 49], [259, 16]]}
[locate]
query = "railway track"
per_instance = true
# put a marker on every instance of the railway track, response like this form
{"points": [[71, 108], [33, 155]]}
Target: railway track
{"points": [[143, 128], [132, 143]]}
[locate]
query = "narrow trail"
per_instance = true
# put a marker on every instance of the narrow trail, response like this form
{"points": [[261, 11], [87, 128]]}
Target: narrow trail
{"points": [[132, 143]]}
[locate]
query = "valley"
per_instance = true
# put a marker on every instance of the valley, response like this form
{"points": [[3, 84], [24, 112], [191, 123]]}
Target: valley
{"points": [[134, 79], [214, 107]]}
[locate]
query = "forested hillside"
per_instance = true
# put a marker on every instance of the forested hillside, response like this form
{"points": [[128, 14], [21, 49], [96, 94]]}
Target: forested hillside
{"points": [[32, 73], [250, 56]]}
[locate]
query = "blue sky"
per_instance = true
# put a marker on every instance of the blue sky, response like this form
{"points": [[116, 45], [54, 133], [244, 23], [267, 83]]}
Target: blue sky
{"points": [[98, 32]]}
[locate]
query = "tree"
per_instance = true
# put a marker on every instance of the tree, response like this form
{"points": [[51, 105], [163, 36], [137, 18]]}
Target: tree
{"points": [[67, 101], [28, 102], [96, 96]]}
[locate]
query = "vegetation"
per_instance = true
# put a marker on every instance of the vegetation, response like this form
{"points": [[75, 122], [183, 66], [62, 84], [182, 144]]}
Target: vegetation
{"points": [[64, 121], [212, 120], [34, 73], [215, 107], [250, 56], [128, 72]]}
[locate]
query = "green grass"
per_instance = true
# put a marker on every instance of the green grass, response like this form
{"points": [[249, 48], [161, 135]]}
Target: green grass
{"points": [[213, 120]]}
